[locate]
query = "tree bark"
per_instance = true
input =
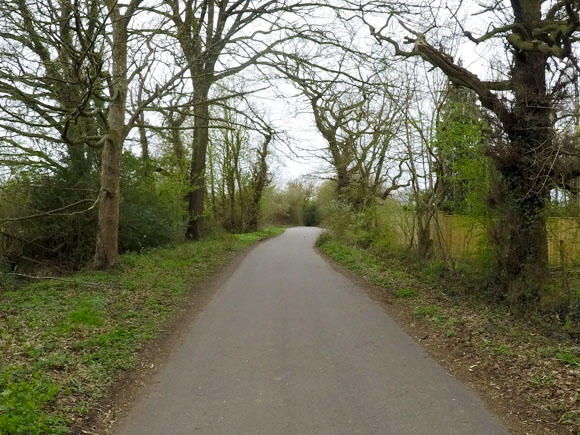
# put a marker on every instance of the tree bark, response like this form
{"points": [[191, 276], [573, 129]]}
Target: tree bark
{"points": [[107, 252], [144, 140], [259, 182], [197, 171], [521, 236]]}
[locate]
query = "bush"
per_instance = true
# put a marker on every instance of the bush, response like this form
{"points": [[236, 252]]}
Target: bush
{"points": [[152, 213], [60, 239], [152, 208]]}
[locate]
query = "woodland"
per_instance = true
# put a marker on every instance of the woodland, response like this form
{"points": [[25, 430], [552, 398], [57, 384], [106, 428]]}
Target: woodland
{"points": [[132, 126], [129, 125], [126, 126]]}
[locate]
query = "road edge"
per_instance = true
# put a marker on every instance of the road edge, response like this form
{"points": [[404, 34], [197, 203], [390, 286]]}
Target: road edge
{"points": [[418, 333], [120, 396]]}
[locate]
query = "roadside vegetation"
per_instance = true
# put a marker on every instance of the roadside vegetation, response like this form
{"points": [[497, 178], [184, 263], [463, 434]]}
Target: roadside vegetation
{"points": [[526, 365], [65, 341], [117, 138]]}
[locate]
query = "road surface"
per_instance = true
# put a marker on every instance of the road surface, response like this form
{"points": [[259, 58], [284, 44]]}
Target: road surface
{"points": [[290, 346]]}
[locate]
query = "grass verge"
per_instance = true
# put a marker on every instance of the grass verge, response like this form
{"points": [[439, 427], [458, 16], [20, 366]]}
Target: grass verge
{"points": [[64, 342], [530, 377]]}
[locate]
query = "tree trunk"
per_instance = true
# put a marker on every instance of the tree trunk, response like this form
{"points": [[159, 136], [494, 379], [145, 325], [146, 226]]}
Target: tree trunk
{"points": [[107, 252], [197, 171], [259, 182], [424, 243], [240, 224], [212, 186], [521, 235], [144, 140], [341, 181]]}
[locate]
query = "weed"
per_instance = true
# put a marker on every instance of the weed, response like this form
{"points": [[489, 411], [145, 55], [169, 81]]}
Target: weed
{"points": [[503, 350], [440, 320], [405, 293], [23, 404], [568, 357], [497, 348], [541, 380], [57, 361], [426, 311], [85, 316], [570, 417]]}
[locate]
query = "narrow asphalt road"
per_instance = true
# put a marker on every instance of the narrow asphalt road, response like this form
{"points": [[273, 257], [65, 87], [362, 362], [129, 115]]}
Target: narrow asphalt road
{"points": [[290, 346]]}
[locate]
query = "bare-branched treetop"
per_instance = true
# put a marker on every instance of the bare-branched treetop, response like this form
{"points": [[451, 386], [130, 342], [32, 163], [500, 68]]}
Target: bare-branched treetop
{"points": [[540, 40]]}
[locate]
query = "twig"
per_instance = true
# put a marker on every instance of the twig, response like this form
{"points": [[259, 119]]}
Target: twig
{"points": [[54, 212], [54, 278]]}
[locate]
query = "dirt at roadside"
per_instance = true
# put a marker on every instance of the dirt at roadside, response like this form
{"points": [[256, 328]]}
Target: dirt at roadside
{"points": [[513, 366]]}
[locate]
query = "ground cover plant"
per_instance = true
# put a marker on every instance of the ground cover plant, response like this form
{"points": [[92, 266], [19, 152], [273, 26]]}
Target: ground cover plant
{"points": [[64, 342]]}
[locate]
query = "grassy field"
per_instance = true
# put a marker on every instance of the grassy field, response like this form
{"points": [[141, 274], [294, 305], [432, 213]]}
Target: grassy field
{"points": [[528, 374], [63, 342]]}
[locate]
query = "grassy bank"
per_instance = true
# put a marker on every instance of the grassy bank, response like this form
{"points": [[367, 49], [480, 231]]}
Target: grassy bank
{"points": [[528, 374], [64, 342]]}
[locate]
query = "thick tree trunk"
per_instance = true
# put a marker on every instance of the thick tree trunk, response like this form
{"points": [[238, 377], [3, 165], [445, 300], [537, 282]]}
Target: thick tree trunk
{"points": [[196, 204], [520, 236], [341, 182], [520, 240], [107, 252]]}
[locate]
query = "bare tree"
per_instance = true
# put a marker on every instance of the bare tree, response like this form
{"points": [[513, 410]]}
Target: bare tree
{"points": [[354, 111], [219, 40]]}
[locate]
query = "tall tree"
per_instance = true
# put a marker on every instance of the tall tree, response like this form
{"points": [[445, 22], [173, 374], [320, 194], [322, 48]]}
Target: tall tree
{"points": [[106, 252], [71, 92], [219, 40], [540, 38]]}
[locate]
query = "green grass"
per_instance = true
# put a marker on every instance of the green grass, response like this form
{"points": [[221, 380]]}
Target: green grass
{"points": [[405, 293], [427, 311], [368, 266], [64, 342], [568, 357]]}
